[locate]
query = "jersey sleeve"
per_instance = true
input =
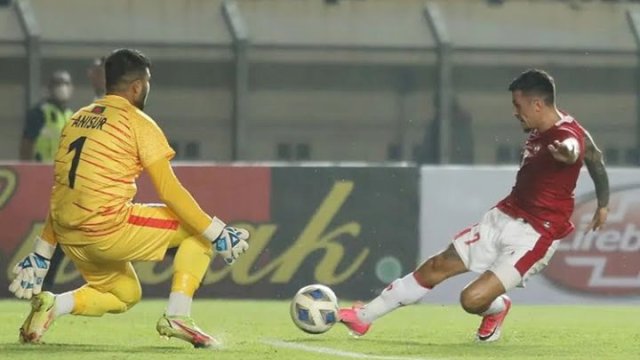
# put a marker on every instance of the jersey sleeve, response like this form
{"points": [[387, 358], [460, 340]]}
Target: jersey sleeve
{"points": [[33, 124], [152, 143], [47, 233], [572, 131]]}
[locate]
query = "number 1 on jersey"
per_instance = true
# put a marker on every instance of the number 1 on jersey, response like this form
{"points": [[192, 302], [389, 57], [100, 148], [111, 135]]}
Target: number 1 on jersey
{"points": [[76, 145]]}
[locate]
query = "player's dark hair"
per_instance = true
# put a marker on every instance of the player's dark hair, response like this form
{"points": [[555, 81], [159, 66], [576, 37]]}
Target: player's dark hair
{"points": [[124, 66], [536, 82]]}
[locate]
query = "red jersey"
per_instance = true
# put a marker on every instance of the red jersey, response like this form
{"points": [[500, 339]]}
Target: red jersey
{"points": [[544, 191]]}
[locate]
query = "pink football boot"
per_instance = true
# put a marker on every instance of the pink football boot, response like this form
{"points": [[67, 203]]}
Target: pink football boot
{"points": [[349, 317], [491, 325]]}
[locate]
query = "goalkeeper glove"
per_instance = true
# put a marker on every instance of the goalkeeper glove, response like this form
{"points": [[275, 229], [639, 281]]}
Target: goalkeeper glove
{"points": [[31, 270], [228, 241]]}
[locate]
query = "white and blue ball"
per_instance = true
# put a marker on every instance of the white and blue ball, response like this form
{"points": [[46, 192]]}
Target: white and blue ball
{"points": [[314, 309]]}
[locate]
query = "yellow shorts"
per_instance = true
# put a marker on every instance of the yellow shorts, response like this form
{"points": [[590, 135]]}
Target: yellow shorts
{"points": [[146, 236]]}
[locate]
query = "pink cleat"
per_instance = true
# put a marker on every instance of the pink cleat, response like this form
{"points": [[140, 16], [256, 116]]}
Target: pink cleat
{"points": [[349, 317], [491, 325]]}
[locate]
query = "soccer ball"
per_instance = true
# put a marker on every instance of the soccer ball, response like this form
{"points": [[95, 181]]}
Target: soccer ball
{"points": [[314, 309]]}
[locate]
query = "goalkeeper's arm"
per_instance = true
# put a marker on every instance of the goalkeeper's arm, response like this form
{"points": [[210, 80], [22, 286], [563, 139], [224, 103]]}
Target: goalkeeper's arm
{"points": [[180, 201]]}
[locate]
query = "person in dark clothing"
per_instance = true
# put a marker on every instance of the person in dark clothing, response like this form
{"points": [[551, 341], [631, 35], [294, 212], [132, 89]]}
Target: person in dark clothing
{"points": [[44, 122]]}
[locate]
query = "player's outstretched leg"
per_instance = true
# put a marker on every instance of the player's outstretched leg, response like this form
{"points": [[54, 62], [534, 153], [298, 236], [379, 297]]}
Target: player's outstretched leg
{"points": [[190, 265], [40, 318], [404, 291]]}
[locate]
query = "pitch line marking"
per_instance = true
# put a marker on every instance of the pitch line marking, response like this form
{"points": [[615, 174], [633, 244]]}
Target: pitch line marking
{"points": [[335, 352]]}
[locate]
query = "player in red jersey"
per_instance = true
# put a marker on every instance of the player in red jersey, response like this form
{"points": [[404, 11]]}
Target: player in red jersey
{"points": [[516, 238]]}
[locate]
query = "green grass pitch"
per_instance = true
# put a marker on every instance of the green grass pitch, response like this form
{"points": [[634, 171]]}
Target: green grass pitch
{"points": [[262, 330]]}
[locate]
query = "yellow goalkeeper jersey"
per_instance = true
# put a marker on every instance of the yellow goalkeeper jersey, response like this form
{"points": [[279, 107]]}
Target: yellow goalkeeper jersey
{"points": [[103, 149]]}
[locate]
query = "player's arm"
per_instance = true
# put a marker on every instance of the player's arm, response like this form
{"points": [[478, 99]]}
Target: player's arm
{"points": [[228, 241], [155, 152], [594, 161], [566, 151], [31, 271], [180, 201]]}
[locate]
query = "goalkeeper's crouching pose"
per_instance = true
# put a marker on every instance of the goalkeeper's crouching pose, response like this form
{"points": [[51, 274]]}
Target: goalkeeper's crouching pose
{"points": [[103, 149]]}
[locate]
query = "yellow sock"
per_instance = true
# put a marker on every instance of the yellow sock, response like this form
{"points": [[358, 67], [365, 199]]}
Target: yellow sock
{"points": [[190, 265], [91, 302]]}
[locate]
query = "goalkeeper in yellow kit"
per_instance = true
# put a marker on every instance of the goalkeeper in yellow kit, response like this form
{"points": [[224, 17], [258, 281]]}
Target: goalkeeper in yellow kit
{"points": [[103, 149]]}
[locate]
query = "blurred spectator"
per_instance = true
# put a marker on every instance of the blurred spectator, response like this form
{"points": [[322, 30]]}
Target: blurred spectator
{"points": [[95, 73], [461, 137], [44, 122]]}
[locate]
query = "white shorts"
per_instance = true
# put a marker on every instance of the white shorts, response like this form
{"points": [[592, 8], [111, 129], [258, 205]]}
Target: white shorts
{"points": [[508, 247]]}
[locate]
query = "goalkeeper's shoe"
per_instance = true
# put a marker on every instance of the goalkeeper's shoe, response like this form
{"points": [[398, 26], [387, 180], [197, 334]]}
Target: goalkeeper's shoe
{"points": [[349, 317], [184, 328], [491, 325], [41, 316]]}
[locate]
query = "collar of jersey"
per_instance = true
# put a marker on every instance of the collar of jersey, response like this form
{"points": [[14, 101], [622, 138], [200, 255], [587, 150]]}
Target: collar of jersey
{"points": [[116, 98]]}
